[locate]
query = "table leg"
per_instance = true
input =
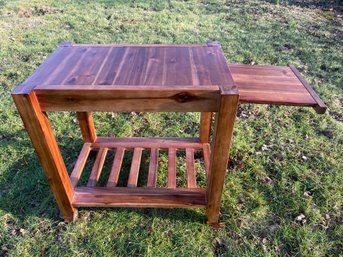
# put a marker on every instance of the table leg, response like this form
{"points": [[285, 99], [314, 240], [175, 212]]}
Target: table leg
{"points": [[225, 119], [87, 126], [205, 127], [38, 127]]}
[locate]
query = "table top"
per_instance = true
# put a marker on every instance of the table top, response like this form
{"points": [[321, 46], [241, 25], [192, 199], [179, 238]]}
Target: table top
{"points": [[145, 67]]}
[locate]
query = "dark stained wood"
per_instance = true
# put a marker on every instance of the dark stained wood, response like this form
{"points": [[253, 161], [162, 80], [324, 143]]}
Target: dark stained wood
{"points": [[178, 67], [38, 127], [80, 164], [115, 170], [87, 126], [152, 176], [225, 120], [139, 197], [191, 176], [171, 168], [97, 167], [135, 164]]}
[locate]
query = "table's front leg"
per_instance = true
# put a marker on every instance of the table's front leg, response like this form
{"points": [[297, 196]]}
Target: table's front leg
{"points": [[38, 127], [205, 126], [225, 119]]}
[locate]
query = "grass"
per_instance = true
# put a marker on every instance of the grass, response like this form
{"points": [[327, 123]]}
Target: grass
{"points": [[285, 161]]}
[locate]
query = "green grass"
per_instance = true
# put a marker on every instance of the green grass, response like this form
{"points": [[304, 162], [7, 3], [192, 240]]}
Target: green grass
{"points": [[285, 161]]}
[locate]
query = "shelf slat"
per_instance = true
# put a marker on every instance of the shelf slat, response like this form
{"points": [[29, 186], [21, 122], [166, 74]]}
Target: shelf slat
{"points": [[97, 168], [172, 168], [191, 177], [134, 171], [152, 177], [80, 164], [116, 166]]}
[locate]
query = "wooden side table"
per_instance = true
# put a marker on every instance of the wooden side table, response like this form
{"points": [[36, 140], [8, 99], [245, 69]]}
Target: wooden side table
{"points": [[147, 78]]}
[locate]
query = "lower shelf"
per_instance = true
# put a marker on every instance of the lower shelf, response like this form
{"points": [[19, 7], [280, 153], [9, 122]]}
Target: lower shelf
{"points": [[149, 195]]}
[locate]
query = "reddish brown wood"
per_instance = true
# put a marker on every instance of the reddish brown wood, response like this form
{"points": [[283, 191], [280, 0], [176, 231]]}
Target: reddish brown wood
{"points": [[80, 164], [205, 127], [191, 176], [152, 177], [207, 158], [140, 197], [134, 171], [38, 127], [97, 168], [87, 126], [171, 168], [115, 170], [220, 153]]}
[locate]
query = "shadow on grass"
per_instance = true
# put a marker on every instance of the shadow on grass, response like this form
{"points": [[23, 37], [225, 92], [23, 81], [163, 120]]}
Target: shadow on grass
{"points": [[319, 4]]}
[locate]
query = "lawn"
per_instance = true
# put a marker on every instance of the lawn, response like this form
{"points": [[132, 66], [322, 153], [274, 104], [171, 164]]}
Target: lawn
{"points": [[283, 191]]}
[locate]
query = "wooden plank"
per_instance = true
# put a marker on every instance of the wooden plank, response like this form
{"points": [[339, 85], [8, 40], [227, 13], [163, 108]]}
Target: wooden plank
{"points": [[220, 153], [191, 176], [115, 170], [87, 126], [171, 168], [135, 164], [205, 127], [80, 164], [129, 99], [38, 127], [321, 107], [139, 197], [207, 158], [138, 45], [111, 67], [97, 167], [178, 67], [147, 142], [152, 176]]}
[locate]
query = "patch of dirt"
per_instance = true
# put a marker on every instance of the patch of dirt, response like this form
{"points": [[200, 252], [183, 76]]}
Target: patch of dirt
{"points": [[38, 11]]}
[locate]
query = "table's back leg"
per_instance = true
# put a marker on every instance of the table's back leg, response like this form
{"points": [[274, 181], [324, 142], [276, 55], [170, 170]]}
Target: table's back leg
{"points": [[87, 126], [205, 127], [225, 119], [38, 127]]}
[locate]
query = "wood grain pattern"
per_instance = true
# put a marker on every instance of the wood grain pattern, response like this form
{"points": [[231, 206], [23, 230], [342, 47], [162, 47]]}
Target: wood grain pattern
{"points": [[38, 127], [171, 168], [225, 120], [116, 166], [139, 197], [87, 126], [97, 167], [191, 176], [135, 164], [80, 164], [207, 158], [152, 176]]}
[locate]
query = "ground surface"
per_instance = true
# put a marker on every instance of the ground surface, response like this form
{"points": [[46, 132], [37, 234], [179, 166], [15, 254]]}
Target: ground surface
{"points": [[284, 161]]}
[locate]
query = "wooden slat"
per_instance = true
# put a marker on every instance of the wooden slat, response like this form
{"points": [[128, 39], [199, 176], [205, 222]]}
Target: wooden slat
{"points": [[178, 67], [139, 197], [191, 176], [133, 98], [134, 171], [116, 166], [80, 164], [97, 167], [147, 142], [207, 158], [87, 126], [171, 168], [152, 177], [136, 45]]}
